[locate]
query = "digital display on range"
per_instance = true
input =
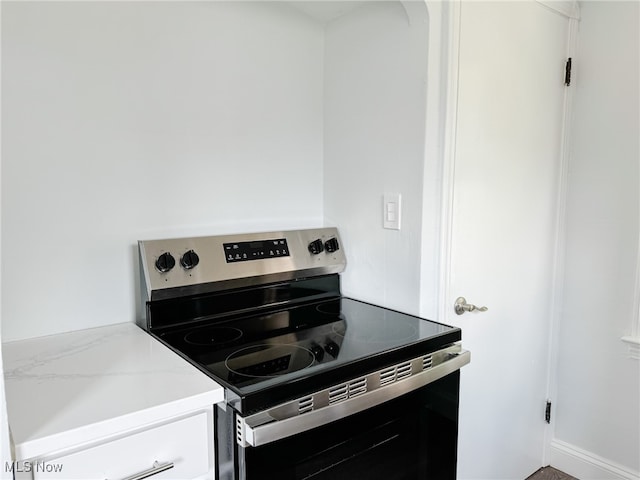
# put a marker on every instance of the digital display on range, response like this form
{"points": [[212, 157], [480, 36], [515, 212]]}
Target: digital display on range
{"points": [[256, 250]]}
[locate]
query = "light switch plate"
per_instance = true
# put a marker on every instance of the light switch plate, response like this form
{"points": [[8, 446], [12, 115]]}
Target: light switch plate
{"points": [[392, 211]]}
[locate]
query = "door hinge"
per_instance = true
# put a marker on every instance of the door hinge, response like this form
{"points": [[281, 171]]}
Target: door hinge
{"points": [[547, 412], [567, 72]]}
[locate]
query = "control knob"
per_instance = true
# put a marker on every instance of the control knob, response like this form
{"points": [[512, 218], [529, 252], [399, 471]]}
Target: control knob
{"points": [[332, 348], [189, 260], [165, 262], [331, 245], [316, 247], [318, 352]]}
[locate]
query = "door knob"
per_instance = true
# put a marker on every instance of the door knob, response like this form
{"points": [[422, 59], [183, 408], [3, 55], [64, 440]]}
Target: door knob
{"points": [[462, 306]]}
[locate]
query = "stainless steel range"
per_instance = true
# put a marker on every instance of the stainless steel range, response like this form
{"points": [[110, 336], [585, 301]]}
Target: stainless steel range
{"points": [[317, 385]]}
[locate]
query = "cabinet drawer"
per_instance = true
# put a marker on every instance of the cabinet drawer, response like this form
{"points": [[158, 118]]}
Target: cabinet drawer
{"points": [[185, 443]]}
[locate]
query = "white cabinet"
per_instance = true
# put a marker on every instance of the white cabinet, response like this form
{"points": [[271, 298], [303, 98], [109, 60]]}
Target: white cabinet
{"points": [[180, 449], [177, 449]]}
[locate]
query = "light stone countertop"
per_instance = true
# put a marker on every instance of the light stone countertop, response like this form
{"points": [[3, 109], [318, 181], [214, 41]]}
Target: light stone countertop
{"points": [[73, 388]]}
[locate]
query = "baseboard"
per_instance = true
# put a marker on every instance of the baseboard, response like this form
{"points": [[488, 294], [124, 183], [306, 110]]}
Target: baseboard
{"points": [[586, 465]]}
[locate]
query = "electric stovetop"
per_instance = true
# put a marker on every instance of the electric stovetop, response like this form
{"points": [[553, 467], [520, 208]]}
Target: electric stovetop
{"points": [[268, 357]]}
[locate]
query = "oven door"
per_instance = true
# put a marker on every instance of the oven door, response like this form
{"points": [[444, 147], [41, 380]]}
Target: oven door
{"points": [[413, 436]]}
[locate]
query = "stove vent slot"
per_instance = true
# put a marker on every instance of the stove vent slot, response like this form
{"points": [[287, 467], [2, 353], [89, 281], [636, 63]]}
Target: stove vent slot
{"points": [[344, 391], [427, 362], [388, 375], [240, 432], [357, 387], [305, 405], [404, 371], [395, 373], [338, 393]]}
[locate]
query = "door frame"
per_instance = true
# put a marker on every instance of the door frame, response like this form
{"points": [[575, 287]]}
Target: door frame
{"points": [[557, 287]]}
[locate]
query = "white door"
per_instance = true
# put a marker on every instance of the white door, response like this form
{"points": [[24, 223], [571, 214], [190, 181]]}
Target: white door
{"points": [[506, 167]]}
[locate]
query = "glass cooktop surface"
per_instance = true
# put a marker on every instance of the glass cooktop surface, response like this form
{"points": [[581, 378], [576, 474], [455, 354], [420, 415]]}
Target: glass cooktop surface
{"points": [[258, 352]]}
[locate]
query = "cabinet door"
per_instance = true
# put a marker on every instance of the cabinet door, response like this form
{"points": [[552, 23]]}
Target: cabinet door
{"points": [[508, 148], [185, 443]]}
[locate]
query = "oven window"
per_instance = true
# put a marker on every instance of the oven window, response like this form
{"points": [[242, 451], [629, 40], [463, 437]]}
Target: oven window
{"points": [[408, 438]]}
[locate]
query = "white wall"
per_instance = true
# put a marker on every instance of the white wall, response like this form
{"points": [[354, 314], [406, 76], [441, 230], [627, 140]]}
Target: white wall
{"points": [[375, 90], [5, 445], [597, 410], [133, 120]]}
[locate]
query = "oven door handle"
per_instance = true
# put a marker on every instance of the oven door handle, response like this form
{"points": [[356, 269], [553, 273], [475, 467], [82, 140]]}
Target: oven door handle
{"points": [[301, 415]]}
